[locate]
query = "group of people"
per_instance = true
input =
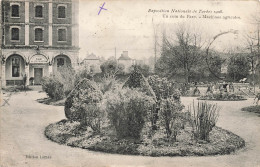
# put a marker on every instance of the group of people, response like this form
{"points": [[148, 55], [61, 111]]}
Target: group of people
{"points": [[216, 87]]}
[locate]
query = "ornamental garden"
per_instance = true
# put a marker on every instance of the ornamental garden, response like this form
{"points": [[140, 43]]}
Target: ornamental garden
{"points": [[136, 115]]}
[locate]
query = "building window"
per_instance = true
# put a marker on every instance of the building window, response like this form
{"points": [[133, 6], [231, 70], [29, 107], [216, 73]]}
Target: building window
{"points": [[62, 35], [16, 67], [60, 62], [15, 34], [38, 34], [61, 12], [38, 11], [15, 10]]}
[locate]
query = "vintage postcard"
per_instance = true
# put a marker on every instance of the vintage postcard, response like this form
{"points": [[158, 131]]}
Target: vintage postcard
{"points": [[90, 83]]}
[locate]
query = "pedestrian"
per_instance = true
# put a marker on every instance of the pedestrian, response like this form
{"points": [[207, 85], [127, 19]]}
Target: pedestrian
{"points": [[24, 81], [196, 91]]}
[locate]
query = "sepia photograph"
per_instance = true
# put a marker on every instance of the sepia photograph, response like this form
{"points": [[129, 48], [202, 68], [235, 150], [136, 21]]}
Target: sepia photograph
{"points": [[149, 83]]}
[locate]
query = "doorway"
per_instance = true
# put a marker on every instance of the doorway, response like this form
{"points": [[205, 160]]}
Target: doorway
{"points": [[38, 73]]}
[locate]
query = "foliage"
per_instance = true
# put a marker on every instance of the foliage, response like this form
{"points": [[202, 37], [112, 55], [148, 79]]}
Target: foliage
{"points": [[238, 67], [66, 76], [170, 116], [255, 109], [66, 132], [222, 96], [53, 87], [107, 83], [127, 110], [163, 88], [83, 105], [202, 119], [137, 80], [111, 67], [81, 74], [144, 69]]}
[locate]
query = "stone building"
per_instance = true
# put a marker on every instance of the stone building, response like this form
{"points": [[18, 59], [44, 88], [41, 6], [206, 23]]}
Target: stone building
{"points": [[125, 60], [38, 37], [91, 63]]}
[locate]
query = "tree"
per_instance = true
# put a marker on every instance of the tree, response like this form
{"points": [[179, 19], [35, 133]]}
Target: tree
{"points": [[144, 69], [181, 56], [238, 67], [111, 67]]}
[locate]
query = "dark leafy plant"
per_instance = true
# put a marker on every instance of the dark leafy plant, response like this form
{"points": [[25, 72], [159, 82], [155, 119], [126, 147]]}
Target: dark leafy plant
{"points": [[203, 118], [53, 88], [84, 105], [170, 116], [127, 110]]}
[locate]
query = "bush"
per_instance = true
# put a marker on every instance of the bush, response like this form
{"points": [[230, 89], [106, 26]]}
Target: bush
{"points": [[137, 80], [107, 83], [222, 96], [170, 116], [84, 105], [163, 88], [66, 76], [203, 119], [53, 88], [127, 110]]}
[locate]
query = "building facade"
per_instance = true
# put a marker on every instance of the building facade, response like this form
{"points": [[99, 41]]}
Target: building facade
{"points": [[92, 63], [126, 61], [38, 37]]}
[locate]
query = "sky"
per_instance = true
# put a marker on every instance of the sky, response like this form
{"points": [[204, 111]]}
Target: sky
{"points": [[129, 26]]}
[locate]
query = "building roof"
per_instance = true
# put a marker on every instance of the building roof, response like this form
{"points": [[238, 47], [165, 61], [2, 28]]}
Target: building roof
{"points": [[91, 57], [124, 57]]}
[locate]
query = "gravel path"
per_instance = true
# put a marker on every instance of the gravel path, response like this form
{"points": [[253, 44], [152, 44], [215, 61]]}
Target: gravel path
{"points": [[23, 142]]}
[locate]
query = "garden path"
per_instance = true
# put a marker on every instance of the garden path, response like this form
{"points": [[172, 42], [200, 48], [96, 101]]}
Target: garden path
{"points": [[23, 141]]}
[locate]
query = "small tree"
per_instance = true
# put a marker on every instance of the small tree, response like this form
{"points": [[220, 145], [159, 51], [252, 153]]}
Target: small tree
{"points": [[127, 111], [170, 116], [111, 67]]}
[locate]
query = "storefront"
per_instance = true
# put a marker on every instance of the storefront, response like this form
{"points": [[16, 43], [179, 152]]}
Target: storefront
{"points": [[38, 68]]}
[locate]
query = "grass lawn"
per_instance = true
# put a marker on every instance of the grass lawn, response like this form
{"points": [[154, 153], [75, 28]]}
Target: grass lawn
{"points": [[255, 109], [69, 133]]}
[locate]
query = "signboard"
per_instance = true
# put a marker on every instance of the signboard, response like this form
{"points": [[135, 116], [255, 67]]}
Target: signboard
{"points": [[38, 59]]}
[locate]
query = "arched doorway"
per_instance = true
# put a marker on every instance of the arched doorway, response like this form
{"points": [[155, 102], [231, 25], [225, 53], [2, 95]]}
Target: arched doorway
{"points": [[38, 68], [14, 70], [61, 62]]}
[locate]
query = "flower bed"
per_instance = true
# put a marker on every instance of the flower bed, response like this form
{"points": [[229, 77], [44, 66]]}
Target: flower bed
{"points": [[222, 97], [68, 133], [254, 109]]}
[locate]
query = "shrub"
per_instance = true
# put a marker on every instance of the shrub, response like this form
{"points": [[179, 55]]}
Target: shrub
{"points": [[84, 105], [163, 89], [203, 119], [170, 116], [127, 110], [66, 76], [53, 88], [137, 80], [107, 83]]}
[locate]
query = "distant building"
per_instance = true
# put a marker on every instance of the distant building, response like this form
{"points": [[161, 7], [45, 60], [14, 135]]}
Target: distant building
{"points": [[125, 60], [38, 38], [91, 63]]}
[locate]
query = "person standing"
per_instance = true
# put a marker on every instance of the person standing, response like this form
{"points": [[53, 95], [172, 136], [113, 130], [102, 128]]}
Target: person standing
{"points": [[24, 81]]}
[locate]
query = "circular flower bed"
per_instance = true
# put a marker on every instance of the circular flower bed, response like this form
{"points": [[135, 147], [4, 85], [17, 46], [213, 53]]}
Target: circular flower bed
{"points": [[222, 97], [69, 133]]}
